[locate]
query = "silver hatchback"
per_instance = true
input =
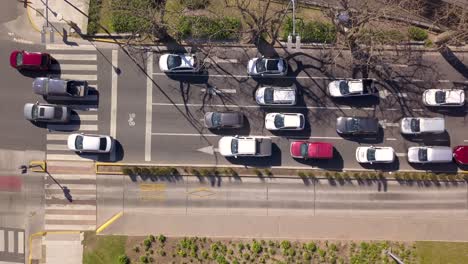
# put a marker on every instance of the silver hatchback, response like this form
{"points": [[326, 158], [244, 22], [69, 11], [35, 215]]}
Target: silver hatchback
{"points": [[46, 113]]}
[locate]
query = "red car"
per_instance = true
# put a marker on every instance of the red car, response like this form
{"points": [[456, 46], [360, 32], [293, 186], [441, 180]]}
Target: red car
{"points": [[460, 154], [30, 60], [311, 150]]}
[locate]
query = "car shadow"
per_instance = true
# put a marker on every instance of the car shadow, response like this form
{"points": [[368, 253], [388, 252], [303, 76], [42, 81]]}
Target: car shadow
{"points": [[72, 126], [91, 99], [39, 124], [366, 139], [335, 164], [243, 131], [55, 67], [117, 149], [33, 74], [263, 162], [449, 111], [362, 101], [394, 166], [276, 81], [192, 78], [450, 167]]}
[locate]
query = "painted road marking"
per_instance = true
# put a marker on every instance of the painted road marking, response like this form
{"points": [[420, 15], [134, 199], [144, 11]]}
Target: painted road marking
{"points": [[149, 107], [20, 242], [2, 240], [56, 147], [75, 57], [208, 150], [113, 117], [11, 241], [229, 91], [57, 136], [466, 140], [399, 154], [71, 206], [384, 94], [70, 157], [152, 187], [70, 227], [258, 106], [71, 186], [220, 60], [444, 81], [418, 110], [214, 135], [393, 139], [73, 127], [69, 217], [69, 47], [73, 67], [85, 77]]}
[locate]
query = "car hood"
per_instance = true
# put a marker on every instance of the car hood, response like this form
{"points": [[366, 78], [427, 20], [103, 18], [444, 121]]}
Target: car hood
{"points": [[251, 66], [334, 88], [224, 146], [27, 110], [413, 154], [163, 62]]}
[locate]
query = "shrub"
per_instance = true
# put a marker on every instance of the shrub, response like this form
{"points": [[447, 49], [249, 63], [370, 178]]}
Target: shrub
{"points": [[136, 170], [201, 27], [268, 172], [147, 243], [321, 252], [144, 259], [136, 249], [123, 259], [333, 247], [246, 256], [285, 244], [306, 256], [240, 246], [417, 34], [204, 254], [182, 253], [152, 238], [145, 171], [311, 175], [126, 20], [258, 173], [162, 253], [328, 175], [235, 261], [311, 246], [195, 4], [313, 31], [127, 171], [256, 247], [230, 251], [195, 172], [205, 172], [221, 259], [272, 251], [93, 17], [162, 239]]}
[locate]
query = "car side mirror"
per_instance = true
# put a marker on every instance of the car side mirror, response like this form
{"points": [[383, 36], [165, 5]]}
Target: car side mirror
{"points": [[235, 156], [236, 136]]}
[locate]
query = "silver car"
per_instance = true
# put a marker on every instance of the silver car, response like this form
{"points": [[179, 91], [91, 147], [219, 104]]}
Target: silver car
{"points": [[430, 154], [178, 63], [422, 125], [46, 113], [267, 67]]}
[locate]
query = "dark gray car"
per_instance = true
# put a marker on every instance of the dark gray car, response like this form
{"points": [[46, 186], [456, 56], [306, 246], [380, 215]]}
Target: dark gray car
{"points": [[57, 87], [224, 120], [46, 113], [357, 125]]}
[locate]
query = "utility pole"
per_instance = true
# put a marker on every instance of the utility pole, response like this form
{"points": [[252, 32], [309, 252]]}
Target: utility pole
{"points": [[294, 38]]}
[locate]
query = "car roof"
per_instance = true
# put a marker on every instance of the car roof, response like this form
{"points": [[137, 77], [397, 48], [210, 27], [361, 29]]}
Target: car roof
{"points": [[246, 146], [320, 150]]}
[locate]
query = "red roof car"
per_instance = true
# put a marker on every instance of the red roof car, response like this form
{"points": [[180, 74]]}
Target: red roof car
{"points": [[460, 154], [311, 150], [29, 60]]}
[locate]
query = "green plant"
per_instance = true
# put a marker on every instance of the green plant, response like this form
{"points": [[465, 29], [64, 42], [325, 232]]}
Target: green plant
{"points": [[205, 172], [204, 254], [313, 31], [291, 252], [333, 247], [311, 246], [195, 4], [235, 261], [145, 171], [268, 172], [221, 259], [328, 175], [285, 244], [144, 259], [272, 251], [246, 256], [301, 174], [321, 252], [136, 249], [230, 251], [182, 253], [123, 259], [240, 246], [258, 173], [94, 16], [147, 243], [311, 175], [195, 172], [306, 256], [162, 239], [256, 247], [152, 238], [338, 176], [127, 171], [137, 170], [162, 253], [418, 34], [202, 27], [428, 43]]}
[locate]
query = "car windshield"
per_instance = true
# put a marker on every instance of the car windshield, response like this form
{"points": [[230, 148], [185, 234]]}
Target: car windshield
{"points": [[371, 154], [279, 121], [353, 124], [173, 61], [234, 146], [268, 95], [19, 59], [344, 88], [422, 154], [102, 144], [304, 150], [34, 112], [79, 142], [440, 97], [216, 119], [260, 65], [415, 125]]}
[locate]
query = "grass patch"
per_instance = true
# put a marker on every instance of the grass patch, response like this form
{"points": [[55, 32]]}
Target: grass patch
{"points": [[441, 252], [103, 249], [106, 16]]}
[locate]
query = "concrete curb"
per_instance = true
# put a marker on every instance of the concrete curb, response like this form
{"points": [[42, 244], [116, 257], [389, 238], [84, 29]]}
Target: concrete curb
{"points": [[108, 222], [28, 11]]}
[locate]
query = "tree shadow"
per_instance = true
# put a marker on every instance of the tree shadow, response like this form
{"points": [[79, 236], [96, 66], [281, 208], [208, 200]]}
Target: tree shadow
{"points": [[454, 61], [263, 162]]}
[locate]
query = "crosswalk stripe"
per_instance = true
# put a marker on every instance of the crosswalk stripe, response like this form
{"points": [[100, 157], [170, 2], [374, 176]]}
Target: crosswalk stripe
{"points": [[73, 67], [57, 136], [73, 127], [75, 57], [74, 207], [74, 176], [75, 197], [84, 117], [69, 47], [85, 77], [56, 147], [69, 217], [70, 227], [21, 242], [2, 240], [70, 157], [71, 186], [11, 241]]}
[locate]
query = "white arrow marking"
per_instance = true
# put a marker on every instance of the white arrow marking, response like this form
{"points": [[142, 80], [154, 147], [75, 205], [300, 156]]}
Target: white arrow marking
{"points": [[208, 150]]}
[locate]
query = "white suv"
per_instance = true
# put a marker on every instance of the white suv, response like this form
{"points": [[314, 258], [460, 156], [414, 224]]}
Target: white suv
{"points": [[276, 96], [287, 121], [422, 125], [430, 154], [444, 97], [245, 146]]}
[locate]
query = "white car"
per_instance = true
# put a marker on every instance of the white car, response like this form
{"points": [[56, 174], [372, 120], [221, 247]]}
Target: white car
{"points": [[172, 63], [444, 97], [347, 88], [90, 143], [245, 146], [267, 67], [375, 154], [286, 121], [422, 125], [276, 96], [430, 154]]}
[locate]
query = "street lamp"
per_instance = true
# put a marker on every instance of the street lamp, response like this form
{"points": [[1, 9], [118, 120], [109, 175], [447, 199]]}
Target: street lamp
{"points": [[297, 38]]}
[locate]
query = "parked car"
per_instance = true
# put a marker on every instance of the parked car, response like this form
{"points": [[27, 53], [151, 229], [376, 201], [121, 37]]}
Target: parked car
{"points": [[267, 67], [422, 125], [245, 146], [347, 88], [20, 59], [460, 154], [357, 125], [90, 143], [172, 63], [430, 154], [276, 96], [444, 97], [224, 120], [284, 121], [46, 113], [375, 154], [46, 86], [311, 150]]}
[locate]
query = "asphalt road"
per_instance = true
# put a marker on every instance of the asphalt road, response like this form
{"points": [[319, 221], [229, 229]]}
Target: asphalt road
{"points": [[178, 103]]}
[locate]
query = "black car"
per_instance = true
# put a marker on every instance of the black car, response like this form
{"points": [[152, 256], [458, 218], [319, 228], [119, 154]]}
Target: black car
{"points": [[357, 125], [224, 120]]}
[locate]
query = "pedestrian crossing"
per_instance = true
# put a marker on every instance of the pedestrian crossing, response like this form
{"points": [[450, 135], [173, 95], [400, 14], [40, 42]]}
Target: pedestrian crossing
{"points": [[11, 245], [74, 63], [70, 202]]}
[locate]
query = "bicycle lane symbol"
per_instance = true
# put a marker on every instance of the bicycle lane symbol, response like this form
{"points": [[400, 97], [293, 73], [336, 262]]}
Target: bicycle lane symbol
{"points": [[131, 119]]}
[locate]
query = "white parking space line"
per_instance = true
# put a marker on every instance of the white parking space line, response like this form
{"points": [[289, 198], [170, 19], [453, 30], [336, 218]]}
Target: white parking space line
{"points": [[466, 140], [399, 154], [73, 127], [73, 67], [391, 139], [149, 107], [69, 47], [70, 217], [72, 156], [70, 227], [56, 147], [220, 60], [84, 117], [84, 77], [444, 81], [418, 110], [258, 106], [230, 91], [70, 206], [57, 136], [75, 57]]}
